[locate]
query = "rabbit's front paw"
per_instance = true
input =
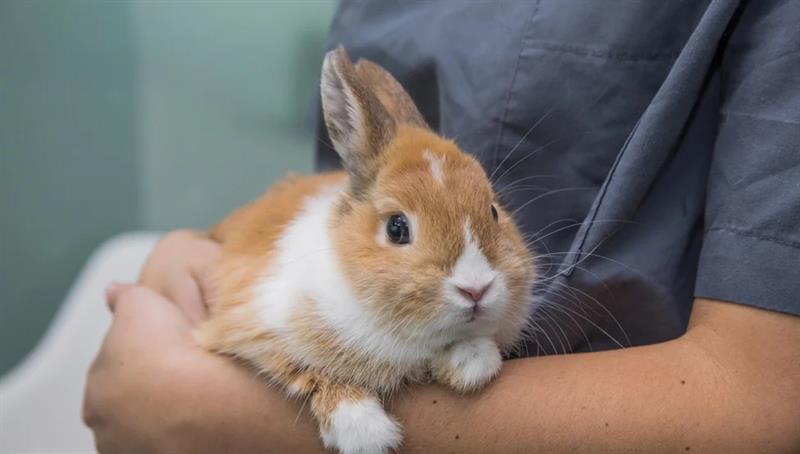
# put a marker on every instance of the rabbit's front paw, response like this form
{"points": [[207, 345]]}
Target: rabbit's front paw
{"points": [[361, 427], [468, 365]]}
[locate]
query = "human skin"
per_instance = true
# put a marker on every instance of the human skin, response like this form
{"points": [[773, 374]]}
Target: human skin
{"points": [[731, 383]]}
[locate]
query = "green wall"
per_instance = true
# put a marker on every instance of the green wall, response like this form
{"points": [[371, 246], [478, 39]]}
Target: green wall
{"points": [[118, 116]]}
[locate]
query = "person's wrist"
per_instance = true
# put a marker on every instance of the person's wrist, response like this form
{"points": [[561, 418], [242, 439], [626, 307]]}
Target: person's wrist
{"points": [[231, 408], [179, 387]]}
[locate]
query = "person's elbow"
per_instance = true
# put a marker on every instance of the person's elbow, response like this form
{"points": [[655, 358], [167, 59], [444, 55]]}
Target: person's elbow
{"points": [[753, 360]]}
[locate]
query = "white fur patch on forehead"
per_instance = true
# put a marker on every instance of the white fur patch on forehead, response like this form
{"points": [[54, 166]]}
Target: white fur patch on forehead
{"points": [[437, 165], [472, 269]]}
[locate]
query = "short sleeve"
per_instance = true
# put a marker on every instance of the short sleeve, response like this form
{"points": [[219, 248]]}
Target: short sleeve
{"points": [[751, 247]]}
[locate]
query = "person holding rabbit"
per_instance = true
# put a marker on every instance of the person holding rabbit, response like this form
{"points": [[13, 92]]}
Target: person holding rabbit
{"points": [[560, 226]]}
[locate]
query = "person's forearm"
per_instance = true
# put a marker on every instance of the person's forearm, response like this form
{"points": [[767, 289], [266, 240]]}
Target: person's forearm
{"points": [[666, 395], [231, 409], [674, 395], [697, 393]]}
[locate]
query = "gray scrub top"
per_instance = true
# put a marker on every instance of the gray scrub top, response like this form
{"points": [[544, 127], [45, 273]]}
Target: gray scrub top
{"points": [[651, 148]]}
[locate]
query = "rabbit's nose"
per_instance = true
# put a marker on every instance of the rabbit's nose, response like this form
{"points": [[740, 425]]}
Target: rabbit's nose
{"points": [[474, 293]]}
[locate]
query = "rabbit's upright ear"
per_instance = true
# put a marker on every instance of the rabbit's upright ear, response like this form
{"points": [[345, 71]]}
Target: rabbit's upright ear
{"points": [[358, 124], [362, 105], [394, 98]]}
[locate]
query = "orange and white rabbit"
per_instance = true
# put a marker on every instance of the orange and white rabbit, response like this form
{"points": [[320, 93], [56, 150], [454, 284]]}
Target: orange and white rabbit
{"points": [[341, 287]]}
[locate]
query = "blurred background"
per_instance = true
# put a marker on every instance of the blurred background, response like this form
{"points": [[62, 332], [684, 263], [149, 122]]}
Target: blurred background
{"points": [[138, 115]]}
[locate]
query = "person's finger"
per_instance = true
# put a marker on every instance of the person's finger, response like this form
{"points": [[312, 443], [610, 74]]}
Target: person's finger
{"points": [[185, 291], [178, 268], [141, 311], [203, 273], [113, 291]]}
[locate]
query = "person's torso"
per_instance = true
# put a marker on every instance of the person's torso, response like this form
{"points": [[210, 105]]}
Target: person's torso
{"points": [[595, 121]]}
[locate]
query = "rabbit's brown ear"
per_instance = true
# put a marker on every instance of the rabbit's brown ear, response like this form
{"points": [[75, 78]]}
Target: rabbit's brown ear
{"points": [[391, 94], [358, 124]]}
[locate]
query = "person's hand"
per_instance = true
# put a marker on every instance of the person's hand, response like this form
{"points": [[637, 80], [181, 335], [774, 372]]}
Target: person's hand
{"points": [[180, 267], [147, 345], [139, 374], [152, 389]]}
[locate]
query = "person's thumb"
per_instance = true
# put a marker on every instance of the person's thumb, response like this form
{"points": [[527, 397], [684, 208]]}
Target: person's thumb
{"points": [[113, 292], [145, 310]]}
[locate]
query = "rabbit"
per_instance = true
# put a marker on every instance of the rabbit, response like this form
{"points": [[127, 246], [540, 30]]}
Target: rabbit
{"points": [[343, 287]]}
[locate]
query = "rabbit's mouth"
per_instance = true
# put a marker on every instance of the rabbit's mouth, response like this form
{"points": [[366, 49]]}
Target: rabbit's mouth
{"points": [[474, 313]]}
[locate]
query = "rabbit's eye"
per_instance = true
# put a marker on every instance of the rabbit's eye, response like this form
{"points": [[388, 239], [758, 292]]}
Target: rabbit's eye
{"points": [[397, 229], [494, 213]]}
